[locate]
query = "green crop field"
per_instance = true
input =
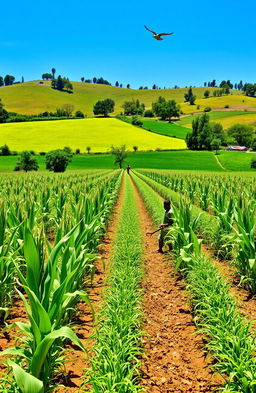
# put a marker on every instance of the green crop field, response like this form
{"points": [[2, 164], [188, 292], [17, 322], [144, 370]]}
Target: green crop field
{"points": [[176, 160], [163, 127], [33, 98], [99, 134], [226, 118]]}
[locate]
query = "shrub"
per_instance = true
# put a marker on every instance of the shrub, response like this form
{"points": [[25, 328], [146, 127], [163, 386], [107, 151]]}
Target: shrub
{"points": [[253, 163], [149, 113], [5, 151], [207, 109], [137, 122], [226, 106], [77, 151], [57, 160], [79, 114], [26, 162], [42, 153]]}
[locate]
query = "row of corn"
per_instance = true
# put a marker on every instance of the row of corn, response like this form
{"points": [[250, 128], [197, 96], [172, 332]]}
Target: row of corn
{"points": [[48, 276]]}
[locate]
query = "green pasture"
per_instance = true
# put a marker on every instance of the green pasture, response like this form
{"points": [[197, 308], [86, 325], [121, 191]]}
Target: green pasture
{"points": [[98, 133], [226, 118]]}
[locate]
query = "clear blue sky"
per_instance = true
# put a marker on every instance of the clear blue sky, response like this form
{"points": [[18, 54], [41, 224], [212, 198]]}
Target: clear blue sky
{"points": [[213, 39]]}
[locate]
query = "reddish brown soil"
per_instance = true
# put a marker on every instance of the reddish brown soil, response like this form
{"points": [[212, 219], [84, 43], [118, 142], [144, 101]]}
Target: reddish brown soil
{"points": [[245, 301], [175, 360], [77, 363]]}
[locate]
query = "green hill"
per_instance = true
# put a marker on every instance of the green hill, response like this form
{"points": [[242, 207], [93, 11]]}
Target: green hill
{"points": [[33, 97]]}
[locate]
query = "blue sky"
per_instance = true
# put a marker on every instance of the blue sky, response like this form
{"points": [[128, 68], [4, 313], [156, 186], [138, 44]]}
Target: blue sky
{"points": [[212, 40]]}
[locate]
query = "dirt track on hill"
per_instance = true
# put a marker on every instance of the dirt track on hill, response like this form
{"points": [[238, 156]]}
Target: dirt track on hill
{"points": [[175, 360]]}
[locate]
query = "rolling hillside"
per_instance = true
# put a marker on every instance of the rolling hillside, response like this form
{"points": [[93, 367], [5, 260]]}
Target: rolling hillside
{"points": [[33, 98], [99, 134]]}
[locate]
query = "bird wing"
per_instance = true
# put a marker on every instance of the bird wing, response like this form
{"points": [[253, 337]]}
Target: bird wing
{"points": [[165, 34], [151, 31]]}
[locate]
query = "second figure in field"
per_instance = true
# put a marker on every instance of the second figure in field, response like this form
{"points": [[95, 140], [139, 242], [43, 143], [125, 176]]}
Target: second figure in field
{"points": [[167, 222]]}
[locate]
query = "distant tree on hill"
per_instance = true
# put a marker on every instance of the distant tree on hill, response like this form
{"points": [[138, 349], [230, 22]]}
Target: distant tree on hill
{"points": [[82, 79], [128, 86], [135, 148], [3, 113], [226, 84], [47, 76], [166, 109], [104, 107], [69, 109], [205, 84], [149, 113], [141, 88], [240, 85], [217, 131], [121, 85], [235, 86], [154, 87], [26, 162], [101, 81], [53, 72], [69, 87], [88, 148], [120, 154], [59, 83], [22, 79], [88, 81], [8, 80], [79, 114], [206, 94], [94, 80], [57, 160], [1, 81], [117, 84], [133, 108], [190, 97], [250, 89]]}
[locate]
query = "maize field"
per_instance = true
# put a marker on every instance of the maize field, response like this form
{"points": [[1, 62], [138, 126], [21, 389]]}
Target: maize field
{"points": [[77, 245]]}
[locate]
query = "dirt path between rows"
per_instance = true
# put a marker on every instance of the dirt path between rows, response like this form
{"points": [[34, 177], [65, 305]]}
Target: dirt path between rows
{"points": [[175, 360], [78, 362]]}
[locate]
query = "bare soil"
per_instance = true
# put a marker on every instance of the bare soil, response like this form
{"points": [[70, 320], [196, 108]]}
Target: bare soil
{"points": [[175, 360]]}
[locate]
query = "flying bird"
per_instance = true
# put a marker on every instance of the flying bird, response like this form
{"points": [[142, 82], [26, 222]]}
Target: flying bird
{"points": [[157, 36]]}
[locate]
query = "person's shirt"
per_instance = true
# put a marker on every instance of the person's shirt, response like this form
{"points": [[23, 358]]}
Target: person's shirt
{"points": [[168, 217]]}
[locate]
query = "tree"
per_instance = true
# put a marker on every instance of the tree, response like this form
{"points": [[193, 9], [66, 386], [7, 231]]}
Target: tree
{"points": [[117, 84], [215, 145], [136, 121], [47, 76], [27, 162], [201, 136], [133, 108], [69, 109], [59, 83], [135, 148], [104, 107], [94, 80], [22, 79], [148, 113], [217, 131], [82, 79], [8, 80], [128, 86], [3, 113], [69, 87], [250, 89], [166, 109], [5, 151], [1, 81], [242, 134], [57, 160], [53, 72], [190, 97], [120, 154], [88, 149], [206, 94]]}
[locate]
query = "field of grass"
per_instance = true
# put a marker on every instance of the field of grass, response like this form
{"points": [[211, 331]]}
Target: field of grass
{"points": [[176, 160], [236, 161], [32, 98], [226, 118], [99, 134], [163, 127]]}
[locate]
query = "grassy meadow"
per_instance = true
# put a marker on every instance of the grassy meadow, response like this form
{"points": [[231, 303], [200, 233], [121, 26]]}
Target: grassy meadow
{"points": [[33, 98], [226, 118], [173, 160], [98, 133]]}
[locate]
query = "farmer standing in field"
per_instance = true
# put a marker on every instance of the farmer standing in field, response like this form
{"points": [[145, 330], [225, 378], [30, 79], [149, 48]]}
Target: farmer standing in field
{"points": [[167, 222]]}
